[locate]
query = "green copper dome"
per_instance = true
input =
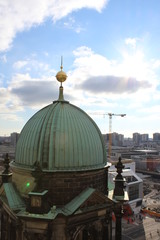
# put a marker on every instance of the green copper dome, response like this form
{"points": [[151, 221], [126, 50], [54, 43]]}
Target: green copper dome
{"points": [[61, 137]]}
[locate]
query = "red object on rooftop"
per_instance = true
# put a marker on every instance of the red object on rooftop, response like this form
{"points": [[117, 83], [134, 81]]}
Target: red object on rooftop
{"points": [[127, 210]]}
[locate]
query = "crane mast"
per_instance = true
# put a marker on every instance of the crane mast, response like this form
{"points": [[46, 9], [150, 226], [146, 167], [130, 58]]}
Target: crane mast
{"points": [[110, 127], [110, 130]]}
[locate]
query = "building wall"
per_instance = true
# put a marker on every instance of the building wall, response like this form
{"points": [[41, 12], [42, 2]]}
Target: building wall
{"points": [[153, 163], [14, 138], [140, 161], [144, 137], [85, 226], [156, 136], [147, 163], [63, 187], [136, 138]]}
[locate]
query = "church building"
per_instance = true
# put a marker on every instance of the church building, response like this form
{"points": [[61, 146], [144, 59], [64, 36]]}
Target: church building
{"points": [[57, 186]]}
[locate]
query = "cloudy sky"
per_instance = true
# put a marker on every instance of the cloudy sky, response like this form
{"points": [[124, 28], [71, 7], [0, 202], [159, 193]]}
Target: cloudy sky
{"points": [[111, 54]]}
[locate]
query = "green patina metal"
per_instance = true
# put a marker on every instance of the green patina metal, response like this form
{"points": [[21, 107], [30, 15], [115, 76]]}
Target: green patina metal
{"points": [[67, 210], [72, 208], [13, 198], [73, 205], [61, 137]]}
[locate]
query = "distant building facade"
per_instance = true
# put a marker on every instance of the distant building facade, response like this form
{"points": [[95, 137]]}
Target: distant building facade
{"points": [[156, 136], [14, 138], [144, 137], [117, 139], [136, 138], [146, 160]]}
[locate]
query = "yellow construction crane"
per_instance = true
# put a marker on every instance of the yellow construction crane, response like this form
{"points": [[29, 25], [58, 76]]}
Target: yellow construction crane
{"points": [[110, 127], [110, 130]]}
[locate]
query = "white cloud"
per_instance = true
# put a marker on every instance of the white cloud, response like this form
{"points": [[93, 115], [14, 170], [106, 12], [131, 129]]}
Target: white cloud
{"points": [[19, 15], [131, 41], [83, 51], [8, 102], [9, 108], [20, 64], [71, 24], [156, 63], [1, 79], [10, 117], [86, 66], [31, 64], [3, 58], [134, 77], [89, 64]]}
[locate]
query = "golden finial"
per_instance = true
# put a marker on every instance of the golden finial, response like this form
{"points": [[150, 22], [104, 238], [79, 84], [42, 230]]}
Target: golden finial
{"points": [[61, 75]]}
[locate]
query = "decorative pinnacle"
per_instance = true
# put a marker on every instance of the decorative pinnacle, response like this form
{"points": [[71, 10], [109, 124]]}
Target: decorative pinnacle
{"points": [[6, 164], [119, 182], [119, 167], [6, 174], [61, 75]]}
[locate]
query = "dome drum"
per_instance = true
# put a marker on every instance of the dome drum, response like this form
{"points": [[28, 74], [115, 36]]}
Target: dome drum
{"points": [[62, 186]]}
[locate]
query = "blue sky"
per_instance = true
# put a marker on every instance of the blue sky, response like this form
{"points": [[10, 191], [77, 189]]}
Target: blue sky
{"points": [[111, 54]]}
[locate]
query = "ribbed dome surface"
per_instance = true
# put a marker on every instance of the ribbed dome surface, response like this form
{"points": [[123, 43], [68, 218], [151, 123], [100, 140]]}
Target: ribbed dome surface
{"points": [[61, 137]]}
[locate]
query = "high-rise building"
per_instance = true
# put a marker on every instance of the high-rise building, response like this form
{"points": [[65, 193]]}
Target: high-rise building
{"points": [[14, 138], [120, 139], [136, 138], [115, 139], [144, 137], [156, 136]]}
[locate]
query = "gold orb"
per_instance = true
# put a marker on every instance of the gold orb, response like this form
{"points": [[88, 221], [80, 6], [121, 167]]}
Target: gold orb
{"points": [[61, 76]]}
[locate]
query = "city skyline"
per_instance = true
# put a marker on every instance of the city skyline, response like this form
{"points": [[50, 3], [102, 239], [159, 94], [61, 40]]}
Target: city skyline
{"points": [[125, 137], [110, 53]]}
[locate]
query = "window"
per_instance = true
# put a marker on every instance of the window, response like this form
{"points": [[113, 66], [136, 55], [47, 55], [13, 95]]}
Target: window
{"points": [[133, 191]]}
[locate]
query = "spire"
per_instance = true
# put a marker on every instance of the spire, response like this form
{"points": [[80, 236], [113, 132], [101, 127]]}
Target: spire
{"points": [[61, 77]]}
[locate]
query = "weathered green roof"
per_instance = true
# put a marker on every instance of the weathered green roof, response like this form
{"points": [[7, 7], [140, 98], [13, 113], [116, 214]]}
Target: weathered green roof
{"points": [[67, 210], [73, 205], [13, 198], [61, 137]]}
